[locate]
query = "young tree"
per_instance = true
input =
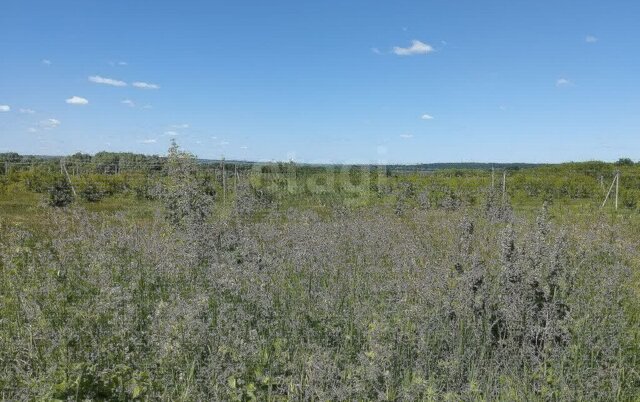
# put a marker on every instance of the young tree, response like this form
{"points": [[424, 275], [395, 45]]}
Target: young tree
{"points": [[185, 200], [624, 162], [60, 194]]}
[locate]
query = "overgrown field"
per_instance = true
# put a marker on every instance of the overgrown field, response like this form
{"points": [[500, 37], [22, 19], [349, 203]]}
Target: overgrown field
{"points": [[396, 291]]}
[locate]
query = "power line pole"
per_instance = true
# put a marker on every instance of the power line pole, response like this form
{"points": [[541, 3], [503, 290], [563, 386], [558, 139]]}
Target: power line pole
{"points": [[235, 178], [504, 184], [617, 187], [63, 167], [224, 184], [493, 177], [606, 198]]}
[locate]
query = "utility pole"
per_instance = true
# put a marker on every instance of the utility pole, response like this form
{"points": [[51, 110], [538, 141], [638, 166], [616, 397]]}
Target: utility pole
{"points": [[63, 167], [235, 178], [617, 187], [616, 182], [504, 184], [6, 167], [224, 184], [493, 177]]}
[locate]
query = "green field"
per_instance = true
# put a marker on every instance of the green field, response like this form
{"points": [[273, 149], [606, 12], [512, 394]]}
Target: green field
{"points": [[291, 282]]}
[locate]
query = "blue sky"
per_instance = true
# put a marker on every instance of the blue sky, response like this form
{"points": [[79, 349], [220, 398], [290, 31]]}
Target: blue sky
{"points": [[323, 81]]}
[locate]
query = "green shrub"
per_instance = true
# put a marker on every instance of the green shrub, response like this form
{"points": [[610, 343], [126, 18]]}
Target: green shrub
{"points": [[60, 194], [92, 192]]}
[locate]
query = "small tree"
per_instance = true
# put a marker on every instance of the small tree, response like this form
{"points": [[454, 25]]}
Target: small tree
{"points": [[60, 194], [92, 192], [624, 162], [185, 200]]}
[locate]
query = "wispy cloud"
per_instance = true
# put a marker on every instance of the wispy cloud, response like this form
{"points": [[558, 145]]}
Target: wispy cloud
{"points": [[128, 102], [32, 130], [46, 62], [49, 124], [171, 133], [590, 39], [5, 108], [27, 111], [77, 100], [426, 117], [148, 141], [145, 85], [107, 81], [180, 126], [406, 136], [376, 50], [416, 48], [563, 82], [118, 63], [147, 107]]}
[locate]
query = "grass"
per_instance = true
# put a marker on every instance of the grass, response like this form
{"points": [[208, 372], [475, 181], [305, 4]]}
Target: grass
{"points": [[301, 297], [19, 206], [25, 207]]}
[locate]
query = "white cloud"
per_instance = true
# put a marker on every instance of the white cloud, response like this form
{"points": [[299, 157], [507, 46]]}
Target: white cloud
{"points": [[128, 102], [563, 82], [107, 81], [180, 126], [145, 85], [244, 147], [5, 108], [49, 124], [171, 133], [149, 141], [376, 50], [27, 111], [416, 47], [46, 62], [590, 39], [32, 130], [426, 117], [77, 100], [406, 136], [223, 143]]}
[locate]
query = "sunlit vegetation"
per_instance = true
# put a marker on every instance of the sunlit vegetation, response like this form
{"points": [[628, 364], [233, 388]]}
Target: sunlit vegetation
{"points": [[125, 277]]}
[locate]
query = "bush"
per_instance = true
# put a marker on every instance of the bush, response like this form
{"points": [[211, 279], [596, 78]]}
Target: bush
{"points": [[185, 199], [624, 162], [92, 192], [60, 194]]}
